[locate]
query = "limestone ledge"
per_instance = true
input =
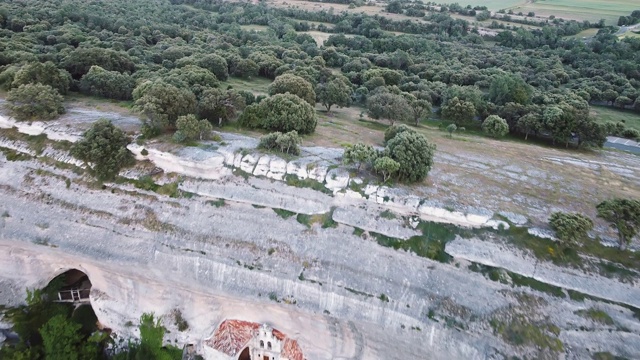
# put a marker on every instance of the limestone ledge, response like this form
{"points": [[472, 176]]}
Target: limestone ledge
{"points": [[511, 259], [202, 164]]}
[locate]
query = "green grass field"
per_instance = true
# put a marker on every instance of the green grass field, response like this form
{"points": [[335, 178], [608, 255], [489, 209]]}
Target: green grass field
{"points": [[630, 34], [606, 114], [585, 33], [493, 5], [254, 27], [592, 10], [257, 85]]}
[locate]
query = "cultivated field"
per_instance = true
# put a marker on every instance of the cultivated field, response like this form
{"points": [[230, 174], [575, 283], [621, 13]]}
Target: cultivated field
{"points": [[493, 5], [592, 10], [337, 8]]}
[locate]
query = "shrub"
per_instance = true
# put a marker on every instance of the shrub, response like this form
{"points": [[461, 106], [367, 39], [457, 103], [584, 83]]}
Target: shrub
{"points": [[287, 143], [268, 141], [386, 166], [451, 128], [190, 128], [392, 131], [631, 134], [359, 154], [495, 126], [570, 227], [413, 152], [251, 116]]}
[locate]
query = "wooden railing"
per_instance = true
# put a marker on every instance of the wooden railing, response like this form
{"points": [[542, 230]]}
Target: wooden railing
{"points": [[74, 295]]}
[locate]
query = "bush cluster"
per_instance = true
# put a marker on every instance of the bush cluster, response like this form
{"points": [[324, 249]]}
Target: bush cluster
{"points": [[408, 155], [287, 143]]}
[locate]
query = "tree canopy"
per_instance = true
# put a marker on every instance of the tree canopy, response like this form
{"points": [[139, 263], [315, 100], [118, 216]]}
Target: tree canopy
{"points": [[388, 106], [43, 73], [623, 215], [104, 146], [190, 128], [35, 102], [413, 152], [282, 112], [459, 111], [570, 228], [108, 48], [335, 92], [495, 126], [109, 84], [359, 154], [162, 103], [509, 88], [220, 106], [289, 83]]}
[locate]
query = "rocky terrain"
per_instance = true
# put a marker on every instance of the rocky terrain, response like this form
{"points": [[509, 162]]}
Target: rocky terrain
{"points": [[309, 247]]}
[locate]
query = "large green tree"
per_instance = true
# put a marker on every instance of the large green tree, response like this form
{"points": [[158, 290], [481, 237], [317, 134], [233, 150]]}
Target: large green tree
{"points": [[44, 73], [191, 77], [79, 61], [162, 103], [216, 64], [624, 216], [335, 92], [220, 106], [62, 339], [388, 106], [287, 112], [289, 83], [413, 152], [394, 130], [529, 123], [35, 102], [246, 68], [420, 109], [109, 84], [509, 88], [495, 126], [459, 111], [561, 121], [471, 94], [104, 146]]}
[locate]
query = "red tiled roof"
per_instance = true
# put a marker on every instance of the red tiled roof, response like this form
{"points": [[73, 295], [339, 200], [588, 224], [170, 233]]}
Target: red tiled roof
{"points": [[278, 334], [291, 350], [233, 335]]}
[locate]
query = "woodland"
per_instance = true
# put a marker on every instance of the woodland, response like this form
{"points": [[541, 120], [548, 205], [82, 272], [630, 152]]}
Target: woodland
{"points": [[168, 59]]}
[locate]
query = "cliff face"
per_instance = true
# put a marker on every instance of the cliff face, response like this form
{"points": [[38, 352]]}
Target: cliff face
{"points": [[144, 253], [227, 250]]}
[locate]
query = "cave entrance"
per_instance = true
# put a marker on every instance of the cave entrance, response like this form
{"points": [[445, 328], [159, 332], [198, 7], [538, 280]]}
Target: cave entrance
{"points": [[244, 355], [73, 286]]}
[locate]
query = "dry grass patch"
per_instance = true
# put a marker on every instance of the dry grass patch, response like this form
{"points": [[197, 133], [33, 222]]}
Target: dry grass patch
{"points": [[508, 174]]}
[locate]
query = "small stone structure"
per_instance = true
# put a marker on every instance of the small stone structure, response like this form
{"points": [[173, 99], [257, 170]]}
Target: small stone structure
{"points": [[265, 346], [246, 340]]}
